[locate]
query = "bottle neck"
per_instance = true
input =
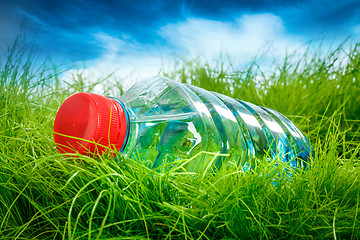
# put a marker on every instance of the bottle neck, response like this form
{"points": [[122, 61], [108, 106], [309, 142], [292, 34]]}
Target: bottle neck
{"points": [[127, 127]]}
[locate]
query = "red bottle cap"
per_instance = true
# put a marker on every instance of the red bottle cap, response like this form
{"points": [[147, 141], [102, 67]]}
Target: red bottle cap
{"points": [[89, 123]]}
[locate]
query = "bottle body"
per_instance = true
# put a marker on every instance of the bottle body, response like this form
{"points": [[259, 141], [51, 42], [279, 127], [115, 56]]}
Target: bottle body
{"points": [[169, 121]]}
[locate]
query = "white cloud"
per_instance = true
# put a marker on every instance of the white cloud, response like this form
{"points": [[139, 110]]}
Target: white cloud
{"points": [[126, 58], [241, 39]]}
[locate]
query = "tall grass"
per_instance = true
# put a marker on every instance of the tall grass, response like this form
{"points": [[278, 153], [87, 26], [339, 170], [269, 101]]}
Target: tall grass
{"points": [[44, 195]]}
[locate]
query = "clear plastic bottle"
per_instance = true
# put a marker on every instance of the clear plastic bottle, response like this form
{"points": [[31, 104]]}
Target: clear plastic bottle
{"points": [[159, 121]]}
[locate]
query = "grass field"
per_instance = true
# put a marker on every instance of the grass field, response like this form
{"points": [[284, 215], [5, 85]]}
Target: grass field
{"points": [[44, 195]]}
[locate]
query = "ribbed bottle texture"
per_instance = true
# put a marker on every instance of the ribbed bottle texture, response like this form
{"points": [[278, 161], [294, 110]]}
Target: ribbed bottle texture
{"points": [[170, 121]]}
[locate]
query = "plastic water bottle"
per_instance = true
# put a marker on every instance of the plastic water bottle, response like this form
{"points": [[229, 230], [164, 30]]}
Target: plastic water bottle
{"points": [[159, 121]]}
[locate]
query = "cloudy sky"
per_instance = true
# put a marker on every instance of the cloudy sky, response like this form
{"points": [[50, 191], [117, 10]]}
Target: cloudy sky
{"points": [[136, 38]]}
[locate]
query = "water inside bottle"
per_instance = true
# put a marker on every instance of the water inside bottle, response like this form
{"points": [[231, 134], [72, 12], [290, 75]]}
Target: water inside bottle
{"points": [[180, 121], [166, 138]]}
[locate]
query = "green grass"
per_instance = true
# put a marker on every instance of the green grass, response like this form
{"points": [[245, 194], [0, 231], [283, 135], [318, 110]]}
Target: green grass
{"points": [[44, 195]]}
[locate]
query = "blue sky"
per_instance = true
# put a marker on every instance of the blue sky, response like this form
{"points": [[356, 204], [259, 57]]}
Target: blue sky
{"points": [[139, 37]]}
